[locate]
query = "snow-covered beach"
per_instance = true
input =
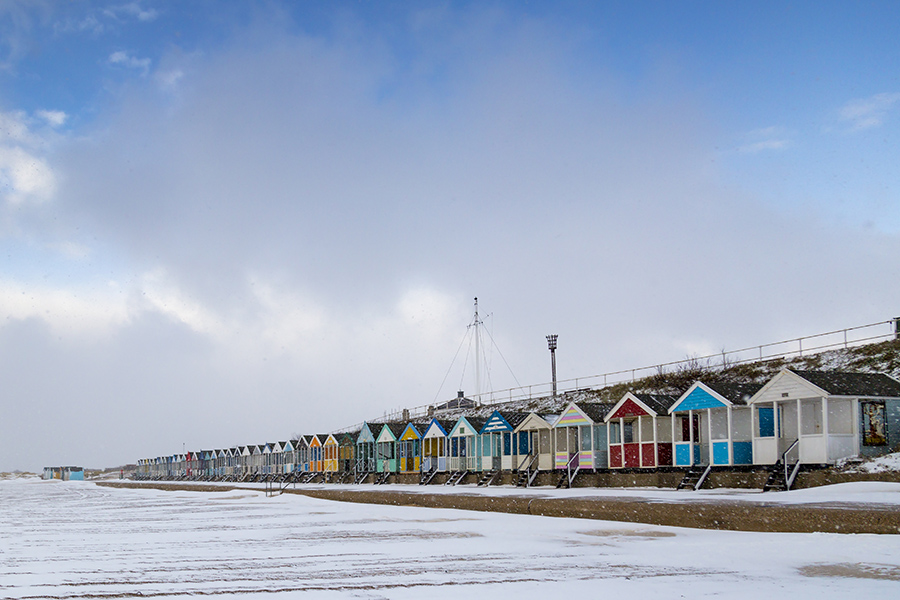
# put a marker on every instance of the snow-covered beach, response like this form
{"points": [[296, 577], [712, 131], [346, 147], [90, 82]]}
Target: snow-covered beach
{"points": [[78, 540]]}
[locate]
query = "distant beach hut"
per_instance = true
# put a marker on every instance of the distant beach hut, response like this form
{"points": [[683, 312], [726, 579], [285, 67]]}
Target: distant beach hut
{"points": [[435, 445], [410, 449], [500, 445], [365, 449], [386, 447], [346, 451], [539, 431], [330, 454], [465, 444]]}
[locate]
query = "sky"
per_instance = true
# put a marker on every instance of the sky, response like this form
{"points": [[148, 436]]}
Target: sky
{"points": [[227, 223]]}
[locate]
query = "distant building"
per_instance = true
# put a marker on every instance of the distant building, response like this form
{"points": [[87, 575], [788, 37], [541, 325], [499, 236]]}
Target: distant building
{"points": [[64, 473], [459, 402]]}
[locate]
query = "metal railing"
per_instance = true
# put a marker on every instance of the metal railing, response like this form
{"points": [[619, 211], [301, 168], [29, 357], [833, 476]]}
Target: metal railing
{"points": [[795, 347], [571, 472], [790, 471]]}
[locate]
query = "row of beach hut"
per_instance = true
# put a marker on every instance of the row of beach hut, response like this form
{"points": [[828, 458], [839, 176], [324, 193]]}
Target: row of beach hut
{"points": [[798, 417]]}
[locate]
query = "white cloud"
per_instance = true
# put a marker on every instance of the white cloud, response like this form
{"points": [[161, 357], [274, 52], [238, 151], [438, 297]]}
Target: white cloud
{"points": [[132, 10], [88, 24], [66, 311], [24, 174], [166, 298], [865, 113], [73, 250], [761, 140], [24, 177], [168, 80], [124, 59], [54, 118], [14, 128]]}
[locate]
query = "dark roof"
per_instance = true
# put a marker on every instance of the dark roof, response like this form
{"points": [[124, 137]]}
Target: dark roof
{"points": [[348, 437], [838, 383], [446, 424], [658, 403], [736, 393], [595, 410], [476, 422], [514, 418], [457, 403], [395, 427]]}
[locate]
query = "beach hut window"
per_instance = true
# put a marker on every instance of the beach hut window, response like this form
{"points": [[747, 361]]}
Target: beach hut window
{"points": [[664, 429], [523, 443], [628, 432], [507, 444], [454, 447], [544, 441], [683, 430], [765, 416], [811, 416], [787, 419], [646, 429], [718, 419], [614, 437], [839, 417], [585, 437], [740, 425]]}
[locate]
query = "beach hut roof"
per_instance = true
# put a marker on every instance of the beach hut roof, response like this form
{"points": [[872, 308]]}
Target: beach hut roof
{"points": [[703, 395], [442, 425], [838, 383], [633, 404]]}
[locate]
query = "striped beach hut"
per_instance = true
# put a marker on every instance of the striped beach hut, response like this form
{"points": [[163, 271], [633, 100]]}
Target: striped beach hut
{"points": [[501, 445], [580, 436]]}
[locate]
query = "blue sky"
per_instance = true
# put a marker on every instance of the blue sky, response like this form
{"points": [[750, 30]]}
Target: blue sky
{"points": [[207, 206]]}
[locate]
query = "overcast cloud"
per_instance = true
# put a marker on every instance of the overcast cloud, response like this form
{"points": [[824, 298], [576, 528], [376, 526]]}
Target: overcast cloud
{"points": [[284, 233]]}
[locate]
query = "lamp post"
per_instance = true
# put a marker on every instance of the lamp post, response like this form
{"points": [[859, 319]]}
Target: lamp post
{"points": [[551, 343]]}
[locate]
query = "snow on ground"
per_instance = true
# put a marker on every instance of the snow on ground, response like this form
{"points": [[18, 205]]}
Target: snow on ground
{"points": [[882, 464], [860, 492], [77, 540]]}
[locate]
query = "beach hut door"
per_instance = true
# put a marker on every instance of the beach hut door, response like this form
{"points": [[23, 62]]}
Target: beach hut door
{"points": [[572, 435], [495, 451]]}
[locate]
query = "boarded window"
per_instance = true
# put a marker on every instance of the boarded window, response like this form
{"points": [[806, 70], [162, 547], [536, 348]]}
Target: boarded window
{"points": [[874, 425]]}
